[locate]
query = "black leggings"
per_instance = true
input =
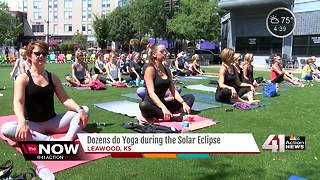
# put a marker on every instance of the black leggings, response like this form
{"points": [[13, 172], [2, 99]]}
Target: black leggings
{"points": [[150, 110], [278, 79], [224, 94]]}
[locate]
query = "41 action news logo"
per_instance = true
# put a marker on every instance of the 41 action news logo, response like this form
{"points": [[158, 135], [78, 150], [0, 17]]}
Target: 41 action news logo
{"points": [[50, 150], [280, 143]]}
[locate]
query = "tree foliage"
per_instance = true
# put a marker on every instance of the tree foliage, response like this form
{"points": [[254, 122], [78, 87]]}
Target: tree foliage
{"points": [[149, 17], [196, 20], [10, 27], [101, 26], [192, 20], [121, 27], [77, 40]]}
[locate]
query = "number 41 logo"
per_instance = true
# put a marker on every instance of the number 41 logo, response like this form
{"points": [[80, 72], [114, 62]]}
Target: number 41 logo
{"points": [[275, 143]]}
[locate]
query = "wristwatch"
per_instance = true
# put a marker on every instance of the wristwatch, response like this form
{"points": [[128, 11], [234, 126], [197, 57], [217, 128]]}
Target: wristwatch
{"points": [[79, 109]]}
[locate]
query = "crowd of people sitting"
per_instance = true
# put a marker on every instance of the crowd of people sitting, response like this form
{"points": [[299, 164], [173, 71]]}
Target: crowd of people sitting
{"points": [[160, 98]]}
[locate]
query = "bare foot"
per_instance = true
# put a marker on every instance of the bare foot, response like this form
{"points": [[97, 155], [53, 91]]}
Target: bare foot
{"points": [[254, 102]]}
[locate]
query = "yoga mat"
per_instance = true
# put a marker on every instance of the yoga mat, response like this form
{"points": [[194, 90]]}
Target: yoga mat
{"points": [[81, 88], [200, 106], [198, 122], [202, 97], [75, 87], [123, 107], [190, 78], [201, 88], [210, 76], [53, 166], [131, 95]]}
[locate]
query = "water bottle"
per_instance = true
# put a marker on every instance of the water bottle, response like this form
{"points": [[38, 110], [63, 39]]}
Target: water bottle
{"points": [[185, 126], [44, 173]]}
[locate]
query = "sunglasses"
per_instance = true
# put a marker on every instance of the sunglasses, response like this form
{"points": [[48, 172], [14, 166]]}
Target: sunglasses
{"points": [[39, 53], [164, 51]]}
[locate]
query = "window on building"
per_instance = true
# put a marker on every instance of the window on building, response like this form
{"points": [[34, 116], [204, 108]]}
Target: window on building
{"points": [[308, 45], [258, 45], [68, 28], [108, 5], [50, 15], [89, 28], [67, 14], [37, 4], [55, 28], [83, 28], [67, 4], [37, 28], [37, 15]]}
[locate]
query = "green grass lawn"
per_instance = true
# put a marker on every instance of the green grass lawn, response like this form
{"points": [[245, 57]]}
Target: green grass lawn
{"points": [[294, 111]]}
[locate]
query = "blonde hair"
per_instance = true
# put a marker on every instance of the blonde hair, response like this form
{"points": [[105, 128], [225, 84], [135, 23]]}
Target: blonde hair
{"points": [[248, 58], [194, 57], [227, 55], [237, 56], [154, 49], [22, 53]]}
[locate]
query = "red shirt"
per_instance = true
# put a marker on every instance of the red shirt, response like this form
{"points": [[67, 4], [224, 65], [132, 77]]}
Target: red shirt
{"points": [[274, 73]]}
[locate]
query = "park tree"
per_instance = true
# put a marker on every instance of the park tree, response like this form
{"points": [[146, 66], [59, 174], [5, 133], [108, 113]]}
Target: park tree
{"points": [[10, 27], [196, 20], [101, 26], [121, 27], [148, 17], [78, 40]]}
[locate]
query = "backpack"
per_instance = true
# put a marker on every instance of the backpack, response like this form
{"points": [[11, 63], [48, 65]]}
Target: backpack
{"points": [[270, 90], [97, 85]]}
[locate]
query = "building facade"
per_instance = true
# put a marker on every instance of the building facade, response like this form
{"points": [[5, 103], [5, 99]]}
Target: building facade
{"points": [[56, 20], [244, 27]]}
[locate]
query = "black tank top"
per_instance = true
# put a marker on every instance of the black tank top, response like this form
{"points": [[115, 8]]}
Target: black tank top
{"points": [[160, 85], [180, 64], [39, 104], [230, 79], [250, 73], [240, 74]]}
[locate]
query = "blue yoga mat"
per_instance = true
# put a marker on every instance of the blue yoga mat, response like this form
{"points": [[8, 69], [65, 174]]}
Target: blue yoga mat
{"points": [[190, 78], [123, 107], [131, 95], [200, 106], [201, 87]]}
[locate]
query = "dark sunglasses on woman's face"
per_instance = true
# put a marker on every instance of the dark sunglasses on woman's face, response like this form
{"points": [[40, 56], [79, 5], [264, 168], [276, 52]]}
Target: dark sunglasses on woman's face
{"points": [[164, 51], [39, 53]]}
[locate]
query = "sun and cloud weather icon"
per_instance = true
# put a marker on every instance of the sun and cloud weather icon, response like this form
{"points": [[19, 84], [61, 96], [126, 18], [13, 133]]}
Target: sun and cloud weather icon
{"points": [[273, 19]]}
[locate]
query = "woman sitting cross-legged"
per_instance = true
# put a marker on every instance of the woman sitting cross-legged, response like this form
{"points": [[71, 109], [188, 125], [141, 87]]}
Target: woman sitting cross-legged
{"points": [[158, 80], [113, 70], [309, 72], [195, 66], [33, 103], [80, 73], [248, 71], [230, 88]]}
